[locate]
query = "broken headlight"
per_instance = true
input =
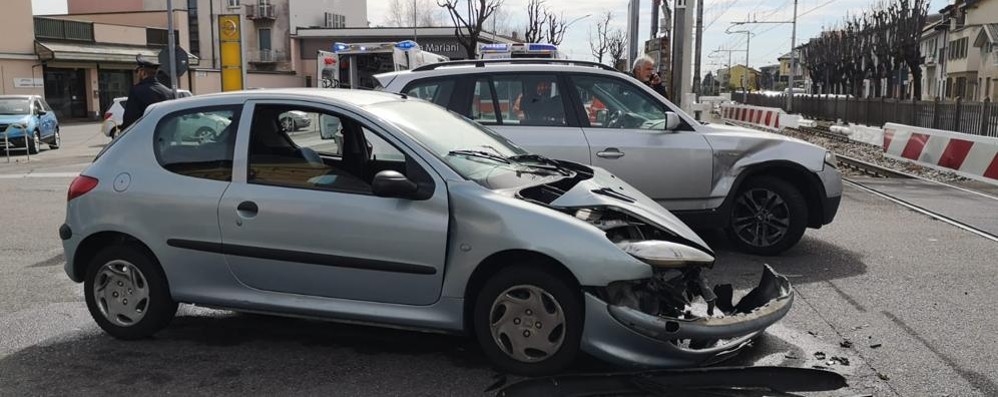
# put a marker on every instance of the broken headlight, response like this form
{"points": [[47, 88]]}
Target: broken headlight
{"points": [[666, 254]]}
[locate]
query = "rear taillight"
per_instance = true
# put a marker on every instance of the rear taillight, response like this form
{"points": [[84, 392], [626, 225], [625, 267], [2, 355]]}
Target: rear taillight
{"points": [[108, 115], [80, 186]]}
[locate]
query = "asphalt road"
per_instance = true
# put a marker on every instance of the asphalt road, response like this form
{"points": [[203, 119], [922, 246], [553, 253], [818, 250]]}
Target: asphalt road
{"points": [[880, 275]]}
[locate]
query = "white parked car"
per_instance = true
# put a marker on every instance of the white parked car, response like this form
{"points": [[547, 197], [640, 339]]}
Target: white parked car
{"points": [[115, 113]]}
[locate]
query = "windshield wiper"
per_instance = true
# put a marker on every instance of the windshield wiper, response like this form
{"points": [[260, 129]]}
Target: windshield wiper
{"points": [[480, 154], [545, 163], [615, 194]]}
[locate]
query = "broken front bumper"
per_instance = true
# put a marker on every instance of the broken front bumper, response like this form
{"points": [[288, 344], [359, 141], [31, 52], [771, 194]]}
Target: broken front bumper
{"points": [[627, 336]]}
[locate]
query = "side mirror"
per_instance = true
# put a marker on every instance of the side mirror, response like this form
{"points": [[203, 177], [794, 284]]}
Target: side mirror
{"points": [[390, 183], [672, 121]]}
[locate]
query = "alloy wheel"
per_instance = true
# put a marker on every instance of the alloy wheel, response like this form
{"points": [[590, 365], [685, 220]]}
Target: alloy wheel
{"points": [[761, 217]]}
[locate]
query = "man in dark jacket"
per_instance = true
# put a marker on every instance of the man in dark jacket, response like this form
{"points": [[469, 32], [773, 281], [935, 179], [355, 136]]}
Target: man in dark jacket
{"points": [[147, 92], [644, 70]]}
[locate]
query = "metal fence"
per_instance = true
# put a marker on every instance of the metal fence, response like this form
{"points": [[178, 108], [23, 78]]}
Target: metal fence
{"points": [[977, 118]]}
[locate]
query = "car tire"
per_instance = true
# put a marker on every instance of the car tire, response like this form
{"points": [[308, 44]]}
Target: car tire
{"points": [[34, 144], [768, 216], [124, 271], [56, 141], [113, 132], [499, 310]]}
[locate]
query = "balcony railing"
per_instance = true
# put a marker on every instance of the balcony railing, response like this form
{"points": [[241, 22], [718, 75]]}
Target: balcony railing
{"points": [[267, 56], [50, 28], [261, 12]]}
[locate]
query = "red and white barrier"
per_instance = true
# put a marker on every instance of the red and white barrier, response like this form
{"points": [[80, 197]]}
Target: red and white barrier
{"points": [[773, 119], [971, 156]]}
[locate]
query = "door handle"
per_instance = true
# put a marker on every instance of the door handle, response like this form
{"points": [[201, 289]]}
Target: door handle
{"points": [[247, 209], [610, 153]]}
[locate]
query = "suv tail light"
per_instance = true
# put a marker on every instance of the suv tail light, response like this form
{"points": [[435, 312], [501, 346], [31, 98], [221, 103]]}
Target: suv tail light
{"points": [[108, 115], [80, 186]]}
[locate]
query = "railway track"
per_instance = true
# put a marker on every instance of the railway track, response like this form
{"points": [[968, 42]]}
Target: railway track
{"points": [[877, 171]]}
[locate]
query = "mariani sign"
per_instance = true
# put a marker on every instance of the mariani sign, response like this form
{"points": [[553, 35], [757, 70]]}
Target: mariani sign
{"points": [[231, 52]]}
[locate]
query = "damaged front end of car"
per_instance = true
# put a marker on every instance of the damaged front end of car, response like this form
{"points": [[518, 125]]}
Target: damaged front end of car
{"points": [[676, 310], [674, 317]]}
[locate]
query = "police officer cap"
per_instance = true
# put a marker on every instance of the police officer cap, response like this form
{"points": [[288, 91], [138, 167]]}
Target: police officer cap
{"points": [[144, 62]]}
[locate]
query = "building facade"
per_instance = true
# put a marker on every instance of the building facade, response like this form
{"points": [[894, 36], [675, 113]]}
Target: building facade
{"points": [[20, 70], [967, 66], [932, 48], [987, 44]]}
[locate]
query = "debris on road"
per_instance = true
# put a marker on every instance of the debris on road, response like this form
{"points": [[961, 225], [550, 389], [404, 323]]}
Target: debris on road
{"points": [[819, 355], [790, 356], [812, 333], [846, 343], [695, 381], [840, 360], [875, 345], [883, 376]]}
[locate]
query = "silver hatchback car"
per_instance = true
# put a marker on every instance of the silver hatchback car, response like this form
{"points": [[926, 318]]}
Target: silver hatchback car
{"points": [[415, 217]]}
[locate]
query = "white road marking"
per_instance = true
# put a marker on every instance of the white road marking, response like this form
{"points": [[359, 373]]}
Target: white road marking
{"points": [[41, 175]]}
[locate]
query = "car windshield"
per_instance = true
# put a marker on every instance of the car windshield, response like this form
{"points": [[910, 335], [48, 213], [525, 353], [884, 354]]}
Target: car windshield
{"points": [[472, 150], [14, 106]]}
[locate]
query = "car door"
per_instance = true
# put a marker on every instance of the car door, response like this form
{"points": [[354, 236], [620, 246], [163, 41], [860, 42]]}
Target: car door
{"points": [[627, 136], [536, 118], [43, 119], [300, 218]]}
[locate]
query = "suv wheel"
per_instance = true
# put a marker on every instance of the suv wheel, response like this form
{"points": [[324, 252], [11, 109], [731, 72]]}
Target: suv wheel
{"points": [[56, 141], [127, 293], [768, 216], [35, 143], [528, 321]]}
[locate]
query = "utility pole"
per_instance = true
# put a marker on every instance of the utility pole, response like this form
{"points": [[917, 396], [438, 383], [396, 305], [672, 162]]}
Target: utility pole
{"points": [[415, 35], [748, 43], [729, 63], [699, 45], [172, 46], [793, 61], [633, 13]]}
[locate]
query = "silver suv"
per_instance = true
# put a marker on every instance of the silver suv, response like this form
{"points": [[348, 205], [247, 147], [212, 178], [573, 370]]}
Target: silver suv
{"points": [[415, 218], [763, 189]]}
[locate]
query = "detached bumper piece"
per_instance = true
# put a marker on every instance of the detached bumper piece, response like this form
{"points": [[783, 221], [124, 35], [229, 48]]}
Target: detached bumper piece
{"points": [[733, 381], [659, 314]]}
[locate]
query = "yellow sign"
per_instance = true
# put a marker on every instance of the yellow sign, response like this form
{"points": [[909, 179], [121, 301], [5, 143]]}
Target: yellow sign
{"points": [[230, 52]]}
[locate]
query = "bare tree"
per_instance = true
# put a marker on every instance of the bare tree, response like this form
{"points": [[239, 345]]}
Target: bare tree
{"points": [[500, 22], [536, 19], [617, 46], [600, 44], [556, 28], [426, 13], [469, 19]]}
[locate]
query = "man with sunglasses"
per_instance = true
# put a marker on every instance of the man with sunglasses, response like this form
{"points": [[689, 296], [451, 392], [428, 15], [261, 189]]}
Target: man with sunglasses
{"points": [[147, 92]]}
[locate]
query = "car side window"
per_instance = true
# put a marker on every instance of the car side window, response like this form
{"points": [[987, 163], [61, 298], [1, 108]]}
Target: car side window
{"points": [[436, 91], [615, 103], [530, 100], [45, 105], [307, 148], [38, 107], [483, 108], [198, 142]]}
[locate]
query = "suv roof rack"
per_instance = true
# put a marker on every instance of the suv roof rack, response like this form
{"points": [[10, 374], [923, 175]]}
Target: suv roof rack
{"points": [[480, 63]]}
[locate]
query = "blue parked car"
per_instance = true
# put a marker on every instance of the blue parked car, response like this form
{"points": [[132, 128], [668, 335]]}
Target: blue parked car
{"points": [[38, 119]]}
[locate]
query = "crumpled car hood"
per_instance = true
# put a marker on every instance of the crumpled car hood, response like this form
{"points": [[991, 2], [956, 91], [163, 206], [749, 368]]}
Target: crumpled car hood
{"points": [[605, 189]]}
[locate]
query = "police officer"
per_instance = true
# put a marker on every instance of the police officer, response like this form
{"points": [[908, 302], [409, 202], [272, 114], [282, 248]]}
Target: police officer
{"points": [[147, 92]]}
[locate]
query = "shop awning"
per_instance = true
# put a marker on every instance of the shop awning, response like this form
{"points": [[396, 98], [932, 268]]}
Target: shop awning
{"points": [[96, 52]]}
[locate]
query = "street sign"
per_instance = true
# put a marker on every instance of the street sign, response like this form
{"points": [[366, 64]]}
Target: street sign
{"points": [[230, 51], [181, 60]]}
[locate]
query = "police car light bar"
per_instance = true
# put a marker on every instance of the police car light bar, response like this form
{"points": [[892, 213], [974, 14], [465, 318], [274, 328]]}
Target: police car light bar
{"points": [[494, 47], [542, 47], [340, 47], [406, 45]]}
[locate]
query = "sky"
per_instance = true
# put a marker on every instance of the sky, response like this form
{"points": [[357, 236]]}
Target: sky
{"points": [[768, 43]]}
